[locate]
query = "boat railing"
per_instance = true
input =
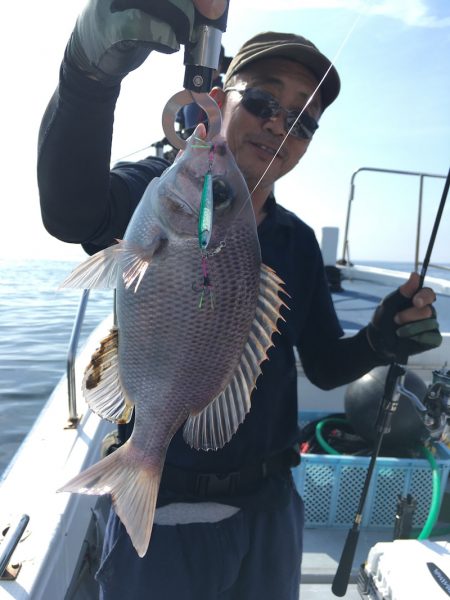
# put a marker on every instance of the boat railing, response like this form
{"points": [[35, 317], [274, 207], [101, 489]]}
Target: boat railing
{"points": [[345, 260], [71, 359], [74, 417], [12, 538]]}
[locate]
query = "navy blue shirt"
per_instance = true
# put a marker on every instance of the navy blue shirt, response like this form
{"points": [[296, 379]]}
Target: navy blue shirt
{"points": [[290, 247], [83, 202]]}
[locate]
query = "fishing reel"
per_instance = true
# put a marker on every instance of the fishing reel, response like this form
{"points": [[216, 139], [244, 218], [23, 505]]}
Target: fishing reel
{"points": [[437, 405], [422, 413]]}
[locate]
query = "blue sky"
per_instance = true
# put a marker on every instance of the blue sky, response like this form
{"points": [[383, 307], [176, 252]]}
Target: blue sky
{"points": [[393, 112]]}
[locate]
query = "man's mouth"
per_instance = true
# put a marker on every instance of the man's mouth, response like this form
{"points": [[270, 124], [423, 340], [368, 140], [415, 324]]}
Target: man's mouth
{"points": [[269, 150]]}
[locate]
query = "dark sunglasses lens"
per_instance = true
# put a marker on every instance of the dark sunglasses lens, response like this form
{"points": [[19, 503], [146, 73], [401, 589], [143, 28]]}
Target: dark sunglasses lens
{"points": [[298, 130], [263, 105], [258, 103], [304, 128]]}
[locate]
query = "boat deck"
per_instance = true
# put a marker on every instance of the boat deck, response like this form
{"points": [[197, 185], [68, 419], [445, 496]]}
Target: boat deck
{"points": [[363, 288], [52, 550], [355, 305]]}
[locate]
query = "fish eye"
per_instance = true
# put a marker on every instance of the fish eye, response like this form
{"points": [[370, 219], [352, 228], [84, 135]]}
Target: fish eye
{"points": [[171, 204], [176, 207], [222, 194]]}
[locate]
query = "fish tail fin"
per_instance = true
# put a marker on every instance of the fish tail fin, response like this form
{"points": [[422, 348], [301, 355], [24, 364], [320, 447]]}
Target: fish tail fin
{"points": [[133, 486]]}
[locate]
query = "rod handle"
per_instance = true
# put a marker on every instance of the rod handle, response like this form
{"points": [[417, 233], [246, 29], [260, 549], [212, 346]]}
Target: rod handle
{"points": [[340, 581]]}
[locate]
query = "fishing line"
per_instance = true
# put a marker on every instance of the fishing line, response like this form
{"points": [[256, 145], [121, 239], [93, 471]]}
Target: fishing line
{"points": [[332, 64], [116, 160]]}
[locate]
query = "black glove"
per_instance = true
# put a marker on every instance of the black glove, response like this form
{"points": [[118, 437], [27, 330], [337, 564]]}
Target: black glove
{"points": [[394, 343], [113, 37]]}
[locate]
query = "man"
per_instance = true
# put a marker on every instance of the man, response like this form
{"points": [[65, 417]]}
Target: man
{"points": [[229, 523]]}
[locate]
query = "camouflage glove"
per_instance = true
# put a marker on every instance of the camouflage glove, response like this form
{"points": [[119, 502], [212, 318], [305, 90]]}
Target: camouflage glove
{"points": [[396, 342], [113, 37]]}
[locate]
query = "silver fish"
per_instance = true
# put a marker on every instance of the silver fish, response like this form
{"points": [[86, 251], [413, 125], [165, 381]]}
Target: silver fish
{"points": [[193, 327]]}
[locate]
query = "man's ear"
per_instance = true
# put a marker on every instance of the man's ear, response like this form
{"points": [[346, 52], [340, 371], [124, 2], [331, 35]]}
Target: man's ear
{"points": [[218, 95]]}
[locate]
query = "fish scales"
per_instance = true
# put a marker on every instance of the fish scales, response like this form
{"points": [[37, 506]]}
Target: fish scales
{"points": [[178, 360], [203, 345], [192, 353]]}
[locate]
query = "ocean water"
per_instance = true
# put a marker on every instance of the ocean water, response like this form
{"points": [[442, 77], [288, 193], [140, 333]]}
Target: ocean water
{"points": [[36, 322]]}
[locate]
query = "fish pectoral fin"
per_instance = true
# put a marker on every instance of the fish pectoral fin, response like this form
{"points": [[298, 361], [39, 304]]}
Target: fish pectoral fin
{"points": [[102, 388], [99, 271], [216, 424], [138, 258], [133, 487]]}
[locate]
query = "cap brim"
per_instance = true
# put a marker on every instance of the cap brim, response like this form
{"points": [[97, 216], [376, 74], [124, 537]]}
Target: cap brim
{"points": [[306, 55]]}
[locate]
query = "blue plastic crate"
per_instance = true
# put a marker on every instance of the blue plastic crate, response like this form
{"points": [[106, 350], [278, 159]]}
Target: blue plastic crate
{"points": [[331, 486]]}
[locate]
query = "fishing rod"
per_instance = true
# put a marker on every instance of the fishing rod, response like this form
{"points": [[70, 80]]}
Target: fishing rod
{"points": [[434, 231], [388, 406]]}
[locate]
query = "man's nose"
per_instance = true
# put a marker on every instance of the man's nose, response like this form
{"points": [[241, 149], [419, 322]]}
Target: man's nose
{"points": [[276, 124]]}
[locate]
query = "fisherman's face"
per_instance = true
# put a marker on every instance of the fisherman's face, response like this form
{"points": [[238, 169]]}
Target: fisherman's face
{"points": [[254, 140]]}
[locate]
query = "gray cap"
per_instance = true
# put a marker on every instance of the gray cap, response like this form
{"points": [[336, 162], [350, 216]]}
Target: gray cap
{"points": [[288, 45]]}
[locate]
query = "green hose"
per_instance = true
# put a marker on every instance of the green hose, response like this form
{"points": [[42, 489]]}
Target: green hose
{"points": [[438, 532], [436, 480], [435, 499], [321, 440]]}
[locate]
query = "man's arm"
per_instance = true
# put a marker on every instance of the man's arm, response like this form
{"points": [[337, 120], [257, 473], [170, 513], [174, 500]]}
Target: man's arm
{"points": [[404, 324], [74, 157], [81, 201], [331, 363]]}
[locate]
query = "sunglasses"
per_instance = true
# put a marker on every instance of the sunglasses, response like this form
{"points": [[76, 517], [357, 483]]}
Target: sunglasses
{"points": [[263, 105]]}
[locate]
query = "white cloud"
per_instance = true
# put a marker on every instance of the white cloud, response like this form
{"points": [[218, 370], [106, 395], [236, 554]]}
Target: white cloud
{"points": [[416, 13]]}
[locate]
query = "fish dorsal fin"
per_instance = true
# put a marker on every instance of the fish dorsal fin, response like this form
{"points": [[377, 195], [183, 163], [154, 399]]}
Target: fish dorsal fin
{"points": [[215, 425], [101, 270], [101, 385]]}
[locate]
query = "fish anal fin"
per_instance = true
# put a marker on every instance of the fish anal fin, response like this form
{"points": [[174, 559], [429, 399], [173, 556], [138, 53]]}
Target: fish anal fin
{"points": [[216, 424], [102, 388], [133, 486]]}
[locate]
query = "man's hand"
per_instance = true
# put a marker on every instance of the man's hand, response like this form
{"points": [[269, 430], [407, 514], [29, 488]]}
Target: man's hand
{"points": [[421, 301], [405, 323], [113, 37], [212, 9]]}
